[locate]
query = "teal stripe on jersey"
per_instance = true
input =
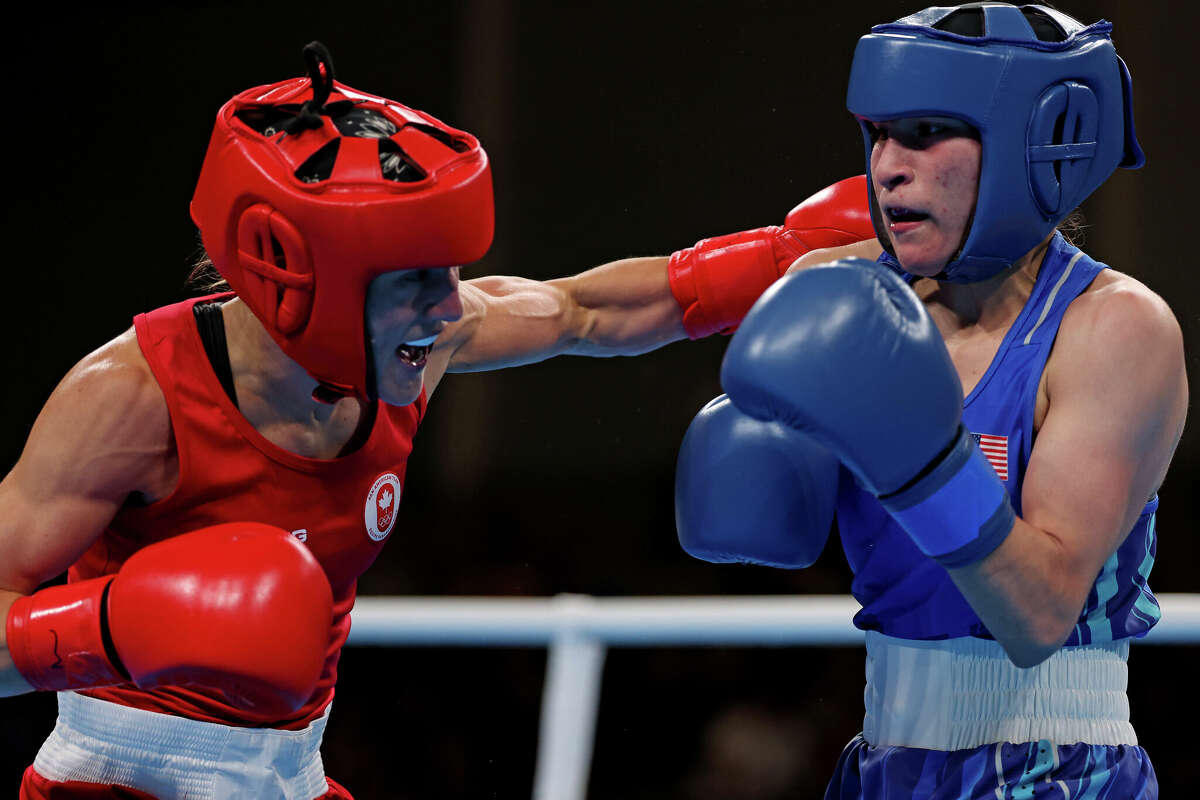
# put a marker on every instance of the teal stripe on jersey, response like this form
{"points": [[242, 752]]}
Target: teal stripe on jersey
{"points": [[1098, 623], [1146, 607], [1099, 780]]}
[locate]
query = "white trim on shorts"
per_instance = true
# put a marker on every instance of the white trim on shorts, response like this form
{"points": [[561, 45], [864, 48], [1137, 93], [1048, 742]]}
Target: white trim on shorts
{"points": [[175, 757], [955, 694]]}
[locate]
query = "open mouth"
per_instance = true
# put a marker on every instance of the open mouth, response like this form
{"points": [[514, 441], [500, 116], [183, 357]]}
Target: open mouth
{"points": [[415, 352], [900, 214], [413, 355]]}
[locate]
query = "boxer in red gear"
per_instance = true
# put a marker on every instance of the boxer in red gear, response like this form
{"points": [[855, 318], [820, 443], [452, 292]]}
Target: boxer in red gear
{"points": [[291, 403]]}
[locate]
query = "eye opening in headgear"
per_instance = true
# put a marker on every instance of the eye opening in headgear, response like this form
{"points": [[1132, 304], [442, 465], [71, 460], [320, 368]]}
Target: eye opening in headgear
{"points": [[920, 132]]}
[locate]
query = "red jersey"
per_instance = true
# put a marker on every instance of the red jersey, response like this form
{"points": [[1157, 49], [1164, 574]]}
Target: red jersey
{"points": [[343, 508]]}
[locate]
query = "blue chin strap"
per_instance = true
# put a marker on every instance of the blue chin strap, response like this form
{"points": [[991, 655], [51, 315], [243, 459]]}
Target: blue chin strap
{"points": [[1055, 118]]}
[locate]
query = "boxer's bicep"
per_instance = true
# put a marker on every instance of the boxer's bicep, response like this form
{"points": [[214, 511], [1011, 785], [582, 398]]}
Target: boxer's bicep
{"points": [[101, 436], [1117, 396], [1117, 399]]}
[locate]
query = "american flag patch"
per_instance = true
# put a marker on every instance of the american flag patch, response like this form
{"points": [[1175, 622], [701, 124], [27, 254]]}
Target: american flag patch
{"points": [[995, 450]]}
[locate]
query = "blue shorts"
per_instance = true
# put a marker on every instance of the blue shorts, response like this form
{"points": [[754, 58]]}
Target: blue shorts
{"points": [[1031, 771]]}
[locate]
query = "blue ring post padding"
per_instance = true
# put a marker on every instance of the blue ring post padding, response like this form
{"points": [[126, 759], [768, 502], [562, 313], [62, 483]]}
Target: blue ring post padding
{"points": [[957, 518]]}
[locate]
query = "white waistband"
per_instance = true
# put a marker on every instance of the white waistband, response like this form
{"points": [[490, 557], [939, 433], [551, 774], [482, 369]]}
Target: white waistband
{"points": [[961, 693], [174, 757]]}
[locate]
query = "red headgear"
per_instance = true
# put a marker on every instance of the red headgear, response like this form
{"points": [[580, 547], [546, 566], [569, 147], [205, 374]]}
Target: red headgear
{"points": [[306, 195]]}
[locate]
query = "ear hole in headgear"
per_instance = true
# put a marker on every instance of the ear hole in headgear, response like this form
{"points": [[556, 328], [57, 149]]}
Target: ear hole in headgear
{"points": [[1062, 142], [277, 267]]}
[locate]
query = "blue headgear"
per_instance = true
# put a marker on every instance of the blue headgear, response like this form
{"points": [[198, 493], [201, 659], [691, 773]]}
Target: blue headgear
{"points": [[1050, 97]]}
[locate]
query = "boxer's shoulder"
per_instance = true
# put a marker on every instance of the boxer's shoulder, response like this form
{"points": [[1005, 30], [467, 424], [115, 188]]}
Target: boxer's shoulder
{"points": [[1117, 314], [1116, 330], [102, 437], [118, 374], [109, 410], [1116, 292]]}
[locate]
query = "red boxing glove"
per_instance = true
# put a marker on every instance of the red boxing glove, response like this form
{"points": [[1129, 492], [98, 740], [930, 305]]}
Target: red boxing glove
{"points": [[716, 281], [241, 607]]}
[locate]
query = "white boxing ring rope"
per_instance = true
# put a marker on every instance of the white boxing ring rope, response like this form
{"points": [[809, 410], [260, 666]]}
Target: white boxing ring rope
{"points": [[577, 629]]}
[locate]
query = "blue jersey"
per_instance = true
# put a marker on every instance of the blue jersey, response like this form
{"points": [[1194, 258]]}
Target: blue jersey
{"points": [[906, 594]]}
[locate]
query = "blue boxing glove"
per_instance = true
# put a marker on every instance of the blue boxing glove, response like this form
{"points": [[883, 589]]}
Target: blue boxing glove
{"points": [[847, 353], [752, 492]]}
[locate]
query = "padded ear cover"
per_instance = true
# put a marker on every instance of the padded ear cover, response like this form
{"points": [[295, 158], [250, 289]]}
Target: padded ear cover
{"points": [[1062, 144], [284, 291], [1133, 158]]}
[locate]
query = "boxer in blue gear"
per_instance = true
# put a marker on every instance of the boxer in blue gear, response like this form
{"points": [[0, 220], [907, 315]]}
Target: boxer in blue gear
{"points": [[1002, 541]]}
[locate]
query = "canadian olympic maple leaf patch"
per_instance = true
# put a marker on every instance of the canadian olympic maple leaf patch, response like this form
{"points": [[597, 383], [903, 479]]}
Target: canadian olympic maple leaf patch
{"points": [[382, 502]]}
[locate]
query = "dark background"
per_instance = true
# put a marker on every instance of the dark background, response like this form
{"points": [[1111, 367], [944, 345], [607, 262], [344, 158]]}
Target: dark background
{"points": [[615, 129]]}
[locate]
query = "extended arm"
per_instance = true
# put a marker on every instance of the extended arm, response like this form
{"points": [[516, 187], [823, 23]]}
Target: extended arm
{"points": [[638, 304], [622, 308]]}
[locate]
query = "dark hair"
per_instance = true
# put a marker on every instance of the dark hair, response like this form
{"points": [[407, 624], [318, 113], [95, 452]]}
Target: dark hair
{"points": [[1074, 228], [203, 277]]}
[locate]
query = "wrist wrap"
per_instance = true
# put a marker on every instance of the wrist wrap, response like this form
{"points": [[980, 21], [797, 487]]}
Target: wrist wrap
{"points": [[717, 280], [959, 512], [57, 638]]}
